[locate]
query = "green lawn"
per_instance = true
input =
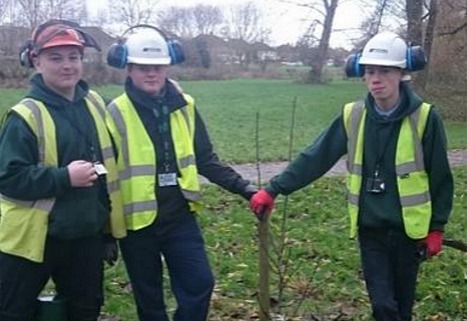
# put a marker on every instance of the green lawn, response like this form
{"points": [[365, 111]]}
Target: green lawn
{"points": [[323, 276], [229, 109]]}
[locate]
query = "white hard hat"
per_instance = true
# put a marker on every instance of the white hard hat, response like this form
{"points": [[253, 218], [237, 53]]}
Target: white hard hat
{"points": [[147, 49], [385, 49]]}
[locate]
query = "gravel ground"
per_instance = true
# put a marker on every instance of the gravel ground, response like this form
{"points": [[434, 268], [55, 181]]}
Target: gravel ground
{"points": [[268, 170]]}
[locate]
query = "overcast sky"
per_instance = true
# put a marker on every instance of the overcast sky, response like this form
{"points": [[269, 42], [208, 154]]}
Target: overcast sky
{"points": [[286, 21]]}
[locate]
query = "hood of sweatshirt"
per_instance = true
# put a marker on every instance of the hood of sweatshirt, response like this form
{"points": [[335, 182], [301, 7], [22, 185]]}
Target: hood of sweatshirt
{"points": [[40, 91], [409, 102], [170, 97]]}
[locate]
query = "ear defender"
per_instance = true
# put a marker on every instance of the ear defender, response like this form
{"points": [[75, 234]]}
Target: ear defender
{"points": [[416, 58], [352, 67], [117, 55], [25, 55], [177, 55], [415, 61]]}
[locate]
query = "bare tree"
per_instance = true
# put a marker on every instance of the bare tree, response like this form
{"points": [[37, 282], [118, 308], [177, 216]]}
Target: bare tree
{"points": [[177, 20], [189, 22], [430, 27], [447, 70], [30, 13], [385, 15], [5, 6], [460, 22], [322, 13], [206, 19], [245, 22], [414, 9], [133, 12], [316, 73], [307, 44], [375, 22], [421, 21], [98, 18]]}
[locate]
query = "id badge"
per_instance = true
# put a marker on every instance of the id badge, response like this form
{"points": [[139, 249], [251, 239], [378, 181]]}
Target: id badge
{"points": [[167, 179], [100, 168]]}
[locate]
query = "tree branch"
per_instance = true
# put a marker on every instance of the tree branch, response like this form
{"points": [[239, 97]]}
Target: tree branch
{"points": [[455, 244], [455, 30]]}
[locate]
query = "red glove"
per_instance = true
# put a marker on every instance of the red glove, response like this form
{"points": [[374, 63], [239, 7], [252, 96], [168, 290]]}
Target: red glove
{"points": [[262, 204], [434, 243]]}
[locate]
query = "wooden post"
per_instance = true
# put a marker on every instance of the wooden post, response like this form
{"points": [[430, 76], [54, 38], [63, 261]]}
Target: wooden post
{"points": [[263, 235], [263, 294]]}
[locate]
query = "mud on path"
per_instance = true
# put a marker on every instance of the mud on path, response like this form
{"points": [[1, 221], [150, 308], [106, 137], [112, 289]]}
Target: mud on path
{"points": [[269, 169]]}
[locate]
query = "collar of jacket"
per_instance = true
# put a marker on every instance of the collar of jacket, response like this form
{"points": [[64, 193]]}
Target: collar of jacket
{"points": [[171, 97], [40, 91], [409, 102]]}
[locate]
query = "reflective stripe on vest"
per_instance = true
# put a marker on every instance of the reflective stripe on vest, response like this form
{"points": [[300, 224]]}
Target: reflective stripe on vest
{"points": [[99, 113], [137, 160], [412, 180], [23, 225]]}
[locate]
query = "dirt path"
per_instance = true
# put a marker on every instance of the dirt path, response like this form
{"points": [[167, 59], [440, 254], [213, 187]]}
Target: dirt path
{"points": [[268, 170]]}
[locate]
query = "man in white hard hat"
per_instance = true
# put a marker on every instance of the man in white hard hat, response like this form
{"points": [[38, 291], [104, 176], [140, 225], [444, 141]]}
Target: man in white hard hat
{"points": [[399, 183], [162, 146]]}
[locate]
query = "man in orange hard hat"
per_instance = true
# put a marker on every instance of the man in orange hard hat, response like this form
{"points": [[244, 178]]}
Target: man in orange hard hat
{"points": [[58, 182]]}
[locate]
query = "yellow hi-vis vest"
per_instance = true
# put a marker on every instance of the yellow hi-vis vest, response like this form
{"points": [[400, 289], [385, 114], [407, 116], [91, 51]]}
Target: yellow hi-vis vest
{"points": [[23, 224], [412, 179], [137, 160]]}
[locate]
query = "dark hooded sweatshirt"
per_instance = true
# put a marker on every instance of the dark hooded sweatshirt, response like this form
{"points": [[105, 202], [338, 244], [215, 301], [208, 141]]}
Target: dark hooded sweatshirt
{"points": [[380, 139], [78, 212], [154, 113]]}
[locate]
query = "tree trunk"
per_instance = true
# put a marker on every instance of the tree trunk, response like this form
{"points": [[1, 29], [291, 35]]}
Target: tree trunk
{"points": [[414, 10], [422, 78], [316, 73]]}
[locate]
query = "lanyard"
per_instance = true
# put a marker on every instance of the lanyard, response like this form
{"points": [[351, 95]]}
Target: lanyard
{"points": [[382, 147], [163, 130]]}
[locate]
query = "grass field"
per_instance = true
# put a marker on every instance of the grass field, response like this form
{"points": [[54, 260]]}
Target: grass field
{"points": [[229, 110], [323, 277]]}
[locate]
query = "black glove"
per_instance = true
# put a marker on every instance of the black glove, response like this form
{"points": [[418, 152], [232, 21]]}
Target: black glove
{"points": [[110, 254]]}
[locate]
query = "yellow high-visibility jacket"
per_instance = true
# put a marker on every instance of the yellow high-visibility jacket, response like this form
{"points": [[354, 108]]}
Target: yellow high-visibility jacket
{"points": [[23, 224], [137, 159], [412, 179]]}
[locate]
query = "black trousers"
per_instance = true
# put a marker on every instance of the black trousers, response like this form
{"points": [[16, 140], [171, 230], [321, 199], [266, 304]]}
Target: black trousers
{"points": [[390, 262], [191, 279], [76, 268]]}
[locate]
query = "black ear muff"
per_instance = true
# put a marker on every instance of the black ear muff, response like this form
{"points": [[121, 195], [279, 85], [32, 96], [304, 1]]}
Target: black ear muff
{"points": [[117, 55], [176, 53], [352, 66], [416, 58], [25, 55]]}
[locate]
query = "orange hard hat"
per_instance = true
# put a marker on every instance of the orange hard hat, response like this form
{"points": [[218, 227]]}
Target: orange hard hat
{"points": [[57, 35], [53, 33]]}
